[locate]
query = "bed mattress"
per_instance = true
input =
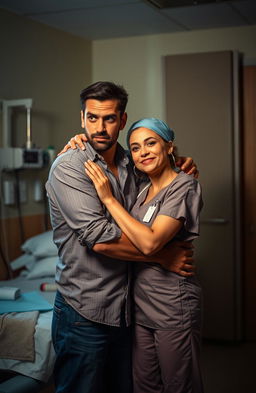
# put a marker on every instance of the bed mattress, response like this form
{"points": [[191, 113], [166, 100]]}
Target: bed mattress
{"points": [[41, 368]]}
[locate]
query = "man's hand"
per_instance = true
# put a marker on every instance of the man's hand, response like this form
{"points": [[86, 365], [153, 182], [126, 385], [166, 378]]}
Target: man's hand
{"points": [[187, 165], [178, 258], [74, 143]]}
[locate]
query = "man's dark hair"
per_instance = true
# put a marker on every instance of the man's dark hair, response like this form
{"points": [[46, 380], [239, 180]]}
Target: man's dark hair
{"points": [[102, 91]]}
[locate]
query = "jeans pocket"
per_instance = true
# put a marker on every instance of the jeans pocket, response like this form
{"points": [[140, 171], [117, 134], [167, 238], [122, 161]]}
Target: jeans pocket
{"points": [[59, 308], [56, 311]]}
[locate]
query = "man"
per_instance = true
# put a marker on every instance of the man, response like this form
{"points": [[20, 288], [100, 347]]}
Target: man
{"points": [[91, 322]]}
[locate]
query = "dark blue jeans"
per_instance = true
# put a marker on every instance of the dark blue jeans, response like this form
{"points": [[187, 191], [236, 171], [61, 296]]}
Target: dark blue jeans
{"points": [[90, 357]]}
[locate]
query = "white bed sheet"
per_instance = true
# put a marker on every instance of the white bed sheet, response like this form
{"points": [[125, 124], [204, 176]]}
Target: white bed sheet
{"points": [[41, 368]]}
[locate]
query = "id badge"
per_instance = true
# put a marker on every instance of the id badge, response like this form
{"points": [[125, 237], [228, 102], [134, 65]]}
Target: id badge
{"points": [[149, 213]]}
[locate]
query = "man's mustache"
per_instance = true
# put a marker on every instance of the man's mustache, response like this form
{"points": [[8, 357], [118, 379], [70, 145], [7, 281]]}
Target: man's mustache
{"points": [[100, 134]]}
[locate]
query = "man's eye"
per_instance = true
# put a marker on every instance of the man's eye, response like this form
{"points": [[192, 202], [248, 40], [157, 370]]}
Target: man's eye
{"points": [[91, 118], [110, 119]]}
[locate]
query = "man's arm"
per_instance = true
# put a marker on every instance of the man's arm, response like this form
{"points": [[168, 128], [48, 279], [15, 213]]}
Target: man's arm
{"points": [[176, 257], [74, 201], [186, 164], [73, 196]]}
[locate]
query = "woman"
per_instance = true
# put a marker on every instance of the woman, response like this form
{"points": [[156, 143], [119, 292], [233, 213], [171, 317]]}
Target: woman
{"points": [[167, 306]]}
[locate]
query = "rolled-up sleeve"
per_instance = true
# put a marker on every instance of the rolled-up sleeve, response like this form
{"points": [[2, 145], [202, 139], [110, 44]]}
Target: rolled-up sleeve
{"points": [[72, 193]]}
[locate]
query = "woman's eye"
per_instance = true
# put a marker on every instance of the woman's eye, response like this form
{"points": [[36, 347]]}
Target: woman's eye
{"points": [[134, 149], [151, 143]]}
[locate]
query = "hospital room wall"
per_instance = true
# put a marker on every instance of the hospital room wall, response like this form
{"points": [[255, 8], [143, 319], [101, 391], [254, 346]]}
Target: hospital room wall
{"points": [[137, 62], [51, 67]]}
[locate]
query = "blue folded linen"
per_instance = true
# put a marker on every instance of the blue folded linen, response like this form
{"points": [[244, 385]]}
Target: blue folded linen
{"points": [[30, 301]]}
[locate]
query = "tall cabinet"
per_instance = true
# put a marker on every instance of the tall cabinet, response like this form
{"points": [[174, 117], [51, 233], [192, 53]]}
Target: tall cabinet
{"points": [[202, 105]]}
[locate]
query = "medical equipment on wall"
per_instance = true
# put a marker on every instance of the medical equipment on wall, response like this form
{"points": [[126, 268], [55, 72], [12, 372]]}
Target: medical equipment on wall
{"points": [[12, 158], [15, 182]]}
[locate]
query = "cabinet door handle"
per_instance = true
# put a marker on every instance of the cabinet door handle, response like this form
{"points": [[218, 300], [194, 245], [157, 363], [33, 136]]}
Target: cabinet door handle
{"points": [[215, 221]]}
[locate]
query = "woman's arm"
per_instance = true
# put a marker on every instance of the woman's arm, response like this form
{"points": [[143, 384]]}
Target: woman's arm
{"points": [[186, 164], [147, 239]]}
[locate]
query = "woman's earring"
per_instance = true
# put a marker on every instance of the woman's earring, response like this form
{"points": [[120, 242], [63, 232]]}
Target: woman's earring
{"points": [[173, 159]]}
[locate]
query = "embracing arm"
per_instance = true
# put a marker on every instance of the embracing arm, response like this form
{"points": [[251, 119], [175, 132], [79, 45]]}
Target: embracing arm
{"points": [[74, 143], [186, 164], [74, 200], [176, 257], [148, 240]]}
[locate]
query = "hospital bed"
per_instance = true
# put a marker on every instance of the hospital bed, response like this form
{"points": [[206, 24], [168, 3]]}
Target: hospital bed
{"points": [[30, 371]]}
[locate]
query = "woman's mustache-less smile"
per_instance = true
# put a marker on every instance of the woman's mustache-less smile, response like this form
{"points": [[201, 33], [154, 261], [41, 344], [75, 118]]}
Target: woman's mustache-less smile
{"points": [[147, 160]]}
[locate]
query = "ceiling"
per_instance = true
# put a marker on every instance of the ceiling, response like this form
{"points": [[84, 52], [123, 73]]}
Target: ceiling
{"points": [[103, 19]]}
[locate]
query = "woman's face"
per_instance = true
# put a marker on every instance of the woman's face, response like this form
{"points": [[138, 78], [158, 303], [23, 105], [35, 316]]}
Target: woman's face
{"points": [[149, 151]]}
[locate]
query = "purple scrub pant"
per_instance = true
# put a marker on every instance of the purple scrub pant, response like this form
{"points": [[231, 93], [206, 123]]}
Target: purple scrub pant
{"points": [[166, 361]]}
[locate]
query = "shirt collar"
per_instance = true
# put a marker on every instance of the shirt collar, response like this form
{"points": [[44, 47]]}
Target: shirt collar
{"points": [[121, 155]]}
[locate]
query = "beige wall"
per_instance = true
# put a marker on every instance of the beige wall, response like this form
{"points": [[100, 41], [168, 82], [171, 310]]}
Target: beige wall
{"points": [[136, 62], [51, 67]]}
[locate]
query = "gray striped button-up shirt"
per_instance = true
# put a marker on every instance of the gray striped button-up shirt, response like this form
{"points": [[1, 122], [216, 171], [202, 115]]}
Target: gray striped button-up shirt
{"points": [[95, 285]]}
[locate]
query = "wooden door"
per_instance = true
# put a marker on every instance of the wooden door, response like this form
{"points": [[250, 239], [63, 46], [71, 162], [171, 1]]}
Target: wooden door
{"points": [[200, 95]]}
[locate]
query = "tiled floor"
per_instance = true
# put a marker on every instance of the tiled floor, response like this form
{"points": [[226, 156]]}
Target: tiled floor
{"points": [[229, 368]]}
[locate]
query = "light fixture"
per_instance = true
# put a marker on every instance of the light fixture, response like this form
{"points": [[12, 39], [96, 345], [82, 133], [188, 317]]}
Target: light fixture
{"points": [[181, 3]]}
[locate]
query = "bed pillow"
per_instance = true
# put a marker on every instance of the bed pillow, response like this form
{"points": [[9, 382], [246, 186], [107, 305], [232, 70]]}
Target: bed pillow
{"points": [[41, 246], [45, 267], [25, 260]]}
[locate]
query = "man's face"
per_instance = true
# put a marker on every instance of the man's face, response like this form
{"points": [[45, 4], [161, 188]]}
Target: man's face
{"points": [[102, 122]]}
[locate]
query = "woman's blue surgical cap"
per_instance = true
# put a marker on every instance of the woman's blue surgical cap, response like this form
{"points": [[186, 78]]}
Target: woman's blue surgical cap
{"points": [[156, 125]]}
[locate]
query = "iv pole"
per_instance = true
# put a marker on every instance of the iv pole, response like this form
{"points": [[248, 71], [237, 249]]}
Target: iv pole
{"points": [[7, 104]]}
